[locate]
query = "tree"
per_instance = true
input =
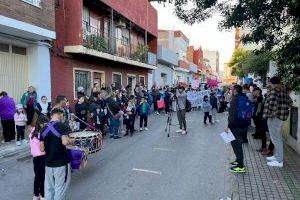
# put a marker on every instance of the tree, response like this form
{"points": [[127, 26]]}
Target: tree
{"points": [[244, 62], [273, 24]]}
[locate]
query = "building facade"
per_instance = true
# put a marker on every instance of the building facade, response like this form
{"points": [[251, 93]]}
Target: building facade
{"points": [[27, 28], [213, 58], [103, 42]]}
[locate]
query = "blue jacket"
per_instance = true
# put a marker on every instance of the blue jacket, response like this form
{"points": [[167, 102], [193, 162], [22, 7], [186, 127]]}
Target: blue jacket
{"points": [[25, 98], [213, 101], [139, 110]]}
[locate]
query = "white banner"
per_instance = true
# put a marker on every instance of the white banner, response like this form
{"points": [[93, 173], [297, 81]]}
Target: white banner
{"points": [[196, 97]]}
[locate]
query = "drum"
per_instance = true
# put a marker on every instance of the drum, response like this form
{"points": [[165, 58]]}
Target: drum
{"points": [[90, 140], [77, 157]]}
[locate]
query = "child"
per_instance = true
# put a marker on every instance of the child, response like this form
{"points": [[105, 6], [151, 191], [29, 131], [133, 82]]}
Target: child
{"points": [[143, 110], [74, 126], [99, 118], [130, 117], [121, 119], [206, 109], [81, 111], [38, 157], [68, 110], [20, 121]]}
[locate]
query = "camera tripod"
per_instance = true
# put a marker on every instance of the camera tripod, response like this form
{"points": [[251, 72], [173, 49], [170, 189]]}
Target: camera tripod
{"points": [[169, 122]]}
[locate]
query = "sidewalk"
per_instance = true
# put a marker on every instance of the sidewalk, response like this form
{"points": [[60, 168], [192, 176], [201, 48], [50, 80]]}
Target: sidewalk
{"points": [[265, 183], [11, 150]]}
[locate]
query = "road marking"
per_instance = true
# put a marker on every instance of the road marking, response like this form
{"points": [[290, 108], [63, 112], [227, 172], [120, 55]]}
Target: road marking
{"points": [[163, 149], [147, 171], [174, 136]]}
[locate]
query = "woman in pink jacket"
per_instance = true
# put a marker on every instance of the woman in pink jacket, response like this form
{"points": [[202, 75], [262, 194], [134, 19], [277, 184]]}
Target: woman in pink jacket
{"points": [[38, 158]]}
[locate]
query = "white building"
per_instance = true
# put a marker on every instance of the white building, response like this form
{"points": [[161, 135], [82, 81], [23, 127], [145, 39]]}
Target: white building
{"points": [[24, 47]]}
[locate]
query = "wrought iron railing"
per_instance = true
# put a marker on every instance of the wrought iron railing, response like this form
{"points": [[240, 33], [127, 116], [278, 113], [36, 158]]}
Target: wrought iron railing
{"points": [[94, 38]]}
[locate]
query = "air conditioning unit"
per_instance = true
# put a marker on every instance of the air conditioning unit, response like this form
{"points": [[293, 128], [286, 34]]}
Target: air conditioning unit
{"points": [[121, 24]]}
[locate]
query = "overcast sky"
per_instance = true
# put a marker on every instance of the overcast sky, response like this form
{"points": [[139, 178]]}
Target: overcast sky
{"points": [[205, 34]]}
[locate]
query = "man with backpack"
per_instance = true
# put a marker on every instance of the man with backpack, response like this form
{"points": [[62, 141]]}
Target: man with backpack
{"points": [[276, 111], [240, 113]]}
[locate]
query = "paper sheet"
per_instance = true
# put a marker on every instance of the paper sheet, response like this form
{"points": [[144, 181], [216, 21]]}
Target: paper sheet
{"points": [[227, 137]]}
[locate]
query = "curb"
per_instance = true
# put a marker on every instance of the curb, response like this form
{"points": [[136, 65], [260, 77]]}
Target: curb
{"points": [[12, 152]]}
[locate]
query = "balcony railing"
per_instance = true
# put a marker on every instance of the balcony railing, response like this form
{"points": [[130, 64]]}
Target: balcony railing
{"points": [[94, 38]]}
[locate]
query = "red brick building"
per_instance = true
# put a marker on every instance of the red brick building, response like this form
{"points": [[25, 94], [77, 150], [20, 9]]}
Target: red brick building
{"points": [[102, 41]]}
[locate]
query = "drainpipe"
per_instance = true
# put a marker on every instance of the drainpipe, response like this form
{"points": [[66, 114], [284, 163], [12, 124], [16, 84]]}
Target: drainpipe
{"points": [[112, 46], [130, 45]]}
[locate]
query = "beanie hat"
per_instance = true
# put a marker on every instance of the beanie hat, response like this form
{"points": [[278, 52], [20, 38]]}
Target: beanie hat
{"points": [[19, 106]]}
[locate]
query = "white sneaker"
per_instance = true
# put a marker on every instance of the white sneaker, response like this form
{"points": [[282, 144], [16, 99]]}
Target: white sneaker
{"points": [[141, 129], [146, 129], [271, 158], [24, 141], [179, 131], [183, 132], [18, 143], [36, 198], [275, 163]]}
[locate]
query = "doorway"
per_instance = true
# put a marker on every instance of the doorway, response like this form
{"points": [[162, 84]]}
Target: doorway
{"points": [[98, 78], [131, 82]]}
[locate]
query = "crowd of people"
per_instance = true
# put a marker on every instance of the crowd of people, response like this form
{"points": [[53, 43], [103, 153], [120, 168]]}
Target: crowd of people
{"points": [[268, 111], [114, 111]]}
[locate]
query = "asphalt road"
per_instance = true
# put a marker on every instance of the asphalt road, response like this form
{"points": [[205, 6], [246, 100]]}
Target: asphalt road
{"points": [[147, 166]]}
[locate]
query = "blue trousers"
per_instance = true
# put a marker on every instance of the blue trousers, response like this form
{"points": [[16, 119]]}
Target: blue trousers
{"points": [[113, 126]]}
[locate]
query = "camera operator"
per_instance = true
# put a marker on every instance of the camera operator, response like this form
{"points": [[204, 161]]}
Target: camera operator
{"points": [[180, 102]]}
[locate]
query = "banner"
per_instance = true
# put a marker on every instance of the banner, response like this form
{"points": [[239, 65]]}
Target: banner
{"points": [[196, 97], [195, 83]]}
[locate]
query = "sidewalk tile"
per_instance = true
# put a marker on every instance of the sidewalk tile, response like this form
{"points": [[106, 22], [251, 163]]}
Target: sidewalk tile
{"points": [[263, 182]]}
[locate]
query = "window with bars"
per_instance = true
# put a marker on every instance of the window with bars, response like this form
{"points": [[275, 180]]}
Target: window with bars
{"points": [[117, 79], [142, 80], [82, 80]]}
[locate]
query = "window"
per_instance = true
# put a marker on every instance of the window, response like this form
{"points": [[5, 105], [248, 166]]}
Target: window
{"points": [[85, 19], [142, 80], [117, 79], [4, 48], [18, 50], [82, 79], [36, 3], [125, 41]]}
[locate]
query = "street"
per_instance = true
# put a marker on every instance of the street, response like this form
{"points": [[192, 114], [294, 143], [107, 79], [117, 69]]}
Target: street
{"points": [[147, 166]]}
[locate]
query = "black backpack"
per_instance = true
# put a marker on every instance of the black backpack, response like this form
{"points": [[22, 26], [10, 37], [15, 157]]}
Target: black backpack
{"points": [[188, 106]]}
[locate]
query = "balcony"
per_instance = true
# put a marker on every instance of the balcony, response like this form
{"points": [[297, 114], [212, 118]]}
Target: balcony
{"points": [[100, 44], [167, 56]]}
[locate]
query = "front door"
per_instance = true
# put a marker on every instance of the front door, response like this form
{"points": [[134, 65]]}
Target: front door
{"points": [[131, 81]]}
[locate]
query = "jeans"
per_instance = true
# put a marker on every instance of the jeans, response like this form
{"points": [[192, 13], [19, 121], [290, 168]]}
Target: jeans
{"points": [[181, 119], [20, 132], [30, 114], [207, 115], [114, 126], [237, 145], [214, 114], [275, 126], [143, 118], [39, 175]]}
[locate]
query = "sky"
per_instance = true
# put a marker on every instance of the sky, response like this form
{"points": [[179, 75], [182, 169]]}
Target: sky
{"points": [[205, 34]]}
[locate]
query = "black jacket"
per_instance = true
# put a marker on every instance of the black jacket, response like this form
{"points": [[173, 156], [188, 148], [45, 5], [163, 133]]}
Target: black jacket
{"points": [[233, 111], [39, 109], [113, 107]]}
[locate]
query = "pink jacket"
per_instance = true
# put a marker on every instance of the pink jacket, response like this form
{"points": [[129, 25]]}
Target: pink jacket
{"points": [[20, 119], [35, 145]]}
